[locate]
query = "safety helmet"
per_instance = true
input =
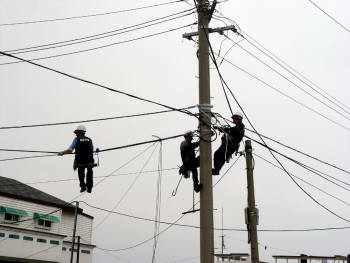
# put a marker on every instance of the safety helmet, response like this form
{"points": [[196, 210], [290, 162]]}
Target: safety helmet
{"points": [[188, 134], [80, 128], [238, 114]]}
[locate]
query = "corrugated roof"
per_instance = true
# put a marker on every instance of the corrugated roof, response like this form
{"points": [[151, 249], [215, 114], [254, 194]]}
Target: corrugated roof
{"points": [[13, 188]]}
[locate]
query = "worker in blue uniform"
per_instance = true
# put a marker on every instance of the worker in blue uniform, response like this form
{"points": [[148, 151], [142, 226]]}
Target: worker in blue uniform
{"points": [[83, 149], [229, 142]]}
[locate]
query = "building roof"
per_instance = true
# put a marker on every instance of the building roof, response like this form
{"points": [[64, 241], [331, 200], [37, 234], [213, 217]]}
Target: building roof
{"points": [[336, 257], [15, 189]]}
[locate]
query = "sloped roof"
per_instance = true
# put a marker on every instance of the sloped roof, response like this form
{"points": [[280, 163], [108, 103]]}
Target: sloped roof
{"points": [[15, 189]]}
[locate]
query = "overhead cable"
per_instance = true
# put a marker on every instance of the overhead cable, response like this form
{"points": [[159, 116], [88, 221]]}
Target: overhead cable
{"points": [[127, 190], [285, 95], [96, 84], [86, 16], [95, 177], [216, 229], [313, 170], [96, 48], [287, 79], [290, 69], [331, 17], [241, 108], [170, 225], [303, 153], [27, 157], [118, 31], [323, 191], [104, 150], [92, 120], [289, 147], [271, 54]]}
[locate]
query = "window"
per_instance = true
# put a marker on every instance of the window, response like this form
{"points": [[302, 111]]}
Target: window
{"points": [[2, 234], [54, 242], [75, 250], [85, 251], [27, 238], [13, 236], [64, 248], [11, 217], [40, 240], [44, 223]]}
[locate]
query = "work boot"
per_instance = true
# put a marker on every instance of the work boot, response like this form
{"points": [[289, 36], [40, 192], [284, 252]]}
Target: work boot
{"points": [[197, 188], [214, 172], [82, 189], [89, 190]]}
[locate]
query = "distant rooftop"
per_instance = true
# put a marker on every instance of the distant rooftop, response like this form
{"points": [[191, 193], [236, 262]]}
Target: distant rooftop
{"points": [[336, 257], [15, 189]]}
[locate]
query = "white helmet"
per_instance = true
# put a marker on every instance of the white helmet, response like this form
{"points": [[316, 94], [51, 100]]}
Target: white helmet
{"points": [[80, 128], [188, 134], [238, 114]]}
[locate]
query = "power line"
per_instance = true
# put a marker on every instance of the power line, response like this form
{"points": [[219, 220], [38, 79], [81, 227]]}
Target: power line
{"points": [[128, 190], [86, 16], [279, 62], [289, 147], [344, 202], [104, 150], [100, 35], [287, 79], [303, 153], [313, 170], [171, 224], [216, 229], [285, 95], [264, 143], [340, 24], [96, 84], [95, 48], [271, 55], [92, 120], [27, 157], [95, 177]]}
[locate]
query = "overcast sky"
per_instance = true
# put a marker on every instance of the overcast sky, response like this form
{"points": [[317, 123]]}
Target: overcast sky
{"points": [[164, 68]]}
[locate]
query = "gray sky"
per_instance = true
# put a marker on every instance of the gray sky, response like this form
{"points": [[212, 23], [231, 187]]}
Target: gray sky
{"points": [[164, 69]]}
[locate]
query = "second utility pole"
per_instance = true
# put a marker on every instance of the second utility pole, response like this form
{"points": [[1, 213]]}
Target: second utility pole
{"points": [[252, 211], [206, 194]]}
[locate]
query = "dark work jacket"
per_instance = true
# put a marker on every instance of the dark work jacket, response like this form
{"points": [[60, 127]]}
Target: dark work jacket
{"points": [[188, 155], [235, 134], [84, 150]]}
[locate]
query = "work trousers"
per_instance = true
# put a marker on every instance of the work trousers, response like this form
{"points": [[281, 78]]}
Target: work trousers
{"points": [[89, 175], [223, 153], [192, 167]]}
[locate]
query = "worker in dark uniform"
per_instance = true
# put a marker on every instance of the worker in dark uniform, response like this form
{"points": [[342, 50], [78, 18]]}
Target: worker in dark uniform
{"points": [[83, 149], [189, 160], [229, 142]]}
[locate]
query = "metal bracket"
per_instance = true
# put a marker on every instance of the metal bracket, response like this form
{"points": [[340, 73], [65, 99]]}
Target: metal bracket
{"points": [[220, 30], [205, 106]]}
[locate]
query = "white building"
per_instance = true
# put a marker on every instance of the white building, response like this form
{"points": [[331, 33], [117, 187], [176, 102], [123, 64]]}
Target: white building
{"points": [[38, 227]]}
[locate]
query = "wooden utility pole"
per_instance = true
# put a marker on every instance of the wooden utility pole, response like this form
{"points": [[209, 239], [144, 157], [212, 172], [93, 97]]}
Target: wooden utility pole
{"points": [[252, 211], [206, 194]]}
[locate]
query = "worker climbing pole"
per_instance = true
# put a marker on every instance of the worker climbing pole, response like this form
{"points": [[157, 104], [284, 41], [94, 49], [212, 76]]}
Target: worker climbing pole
{"points": [[189, 160], [232, 136]]}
